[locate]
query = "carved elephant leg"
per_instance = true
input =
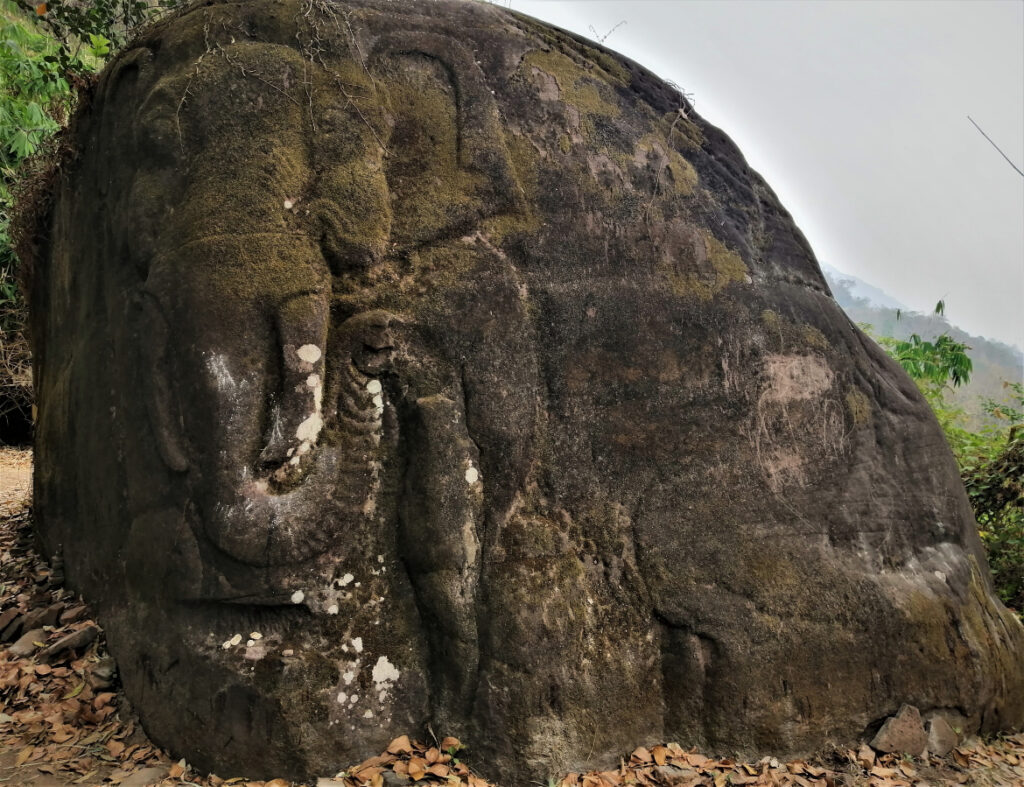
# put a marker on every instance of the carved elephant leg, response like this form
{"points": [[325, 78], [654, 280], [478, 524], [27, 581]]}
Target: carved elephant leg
{"points": [[440, 515]]}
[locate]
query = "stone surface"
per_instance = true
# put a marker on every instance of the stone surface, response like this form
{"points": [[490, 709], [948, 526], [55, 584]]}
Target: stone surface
{"points": [[941, 737], [903, 733], [416, 363], [73, 641], [26, 644]]}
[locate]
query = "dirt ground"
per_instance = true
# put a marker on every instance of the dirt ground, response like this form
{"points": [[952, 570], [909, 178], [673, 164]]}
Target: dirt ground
{"points": [[15, 480], [64, 721]]}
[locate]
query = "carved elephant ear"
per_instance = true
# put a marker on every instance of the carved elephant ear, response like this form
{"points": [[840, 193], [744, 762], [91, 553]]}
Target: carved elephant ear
{"points": [[447, 166]]}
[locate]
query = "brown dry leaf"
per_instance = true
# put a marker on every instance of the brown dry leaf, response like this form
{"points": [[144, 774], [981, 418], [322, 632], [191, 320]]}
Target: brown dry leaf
{"points": [[883, 773], [276, 783], [432, 755], [865, 756], [400, 745], [24, 754], [660, 755], [696, 760], [417, 768], [908, 769], [439, 769], [450, 743], [116, 748], [640, 754]]}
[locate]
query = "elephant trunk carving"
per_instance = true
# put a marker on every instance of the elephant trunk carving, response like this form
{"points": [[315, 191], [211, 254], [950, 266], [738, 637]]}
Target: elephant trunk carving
{"points": [[318, 465]]}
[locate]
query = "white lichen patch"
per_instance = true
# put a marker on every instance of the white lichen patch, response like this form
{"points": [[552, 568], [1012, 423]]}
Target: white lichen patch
{"points": [[308, 353], [345, 580], [342, 698], [357, 644], [237, 639], [313, 381], [385, 672], [332, 610], [297, 597], [472, 475], [373, 387], [309, 429], [348, 677], [368, 714]]}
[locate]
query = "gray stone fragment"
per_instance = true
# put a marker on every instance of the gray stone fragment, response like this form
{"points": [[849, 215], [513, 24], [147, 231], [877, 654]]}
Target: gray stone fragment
{"points": [[903, 733], [45, 616], [26, 644], [8, 617], [73, 641], [941, 737]]}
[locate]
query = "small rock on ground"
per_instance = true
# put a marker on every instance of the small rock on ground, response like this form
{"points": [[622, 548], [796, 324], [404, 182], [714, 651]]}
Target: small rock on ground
{"points": [[903, 733]]}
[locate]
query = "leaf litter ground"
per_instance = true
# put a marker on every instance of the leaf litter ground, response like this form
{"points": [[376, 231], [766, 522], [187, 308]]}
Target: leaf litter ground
{"points": [[64, 721]]}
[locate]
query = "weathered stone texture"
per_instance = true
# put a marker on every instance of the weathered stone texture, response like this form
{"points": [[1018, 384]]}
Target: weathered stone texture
{"points": [[404, 363]]}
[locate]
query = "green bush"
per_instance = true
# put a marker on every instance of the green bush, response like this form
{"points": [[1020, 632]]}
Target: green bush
{"points": [[33, 104]]}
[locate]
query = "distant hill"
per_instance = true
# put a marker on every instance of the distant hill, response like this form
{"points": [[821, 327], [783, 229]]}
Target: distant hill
{"points": [[858, 288], [994, 362]]}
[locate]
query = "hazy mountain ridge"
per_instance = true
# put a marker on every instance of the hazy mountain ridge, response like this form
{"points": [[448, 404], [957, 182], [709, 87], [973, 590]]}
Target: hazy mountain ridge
{"points": [[994, 362]]}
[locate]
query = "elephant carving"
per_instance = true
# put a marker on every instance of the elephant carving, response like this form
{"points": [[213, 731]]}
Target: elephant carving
{"points": [[424, 367]]}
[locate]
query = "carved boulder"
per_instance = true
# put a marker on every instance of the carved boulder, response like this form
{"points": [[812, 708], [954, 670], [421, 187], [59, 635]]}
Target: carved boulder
{"points": [[415, 363]]}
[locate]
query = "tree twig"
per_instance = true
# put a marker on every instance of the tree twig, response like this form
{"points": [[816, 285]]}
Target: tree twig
{"points": [[986, 136]]}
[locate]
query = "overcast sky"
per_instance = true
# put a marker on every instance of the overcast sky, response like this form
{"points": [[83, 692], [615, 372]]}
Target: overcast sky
{"points": [[856, 114]]}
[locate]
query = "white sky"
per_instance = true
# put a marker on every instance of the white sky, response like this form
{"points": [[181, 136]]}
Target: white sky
{"points": [[855, 113]]}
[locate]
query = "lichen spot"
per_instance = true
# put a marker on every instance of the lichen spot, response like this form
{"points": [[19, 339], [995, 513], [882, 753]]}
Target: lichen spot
{"points": [[309, 429], [348, 677], [384, 671], [308, 353], [345, 580], [472, 475], [332, 610], [298, 596], [313, 380], [255, 635], [373, 387], [859, 406], [357, 644], [342, 698], [368, 714]]}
